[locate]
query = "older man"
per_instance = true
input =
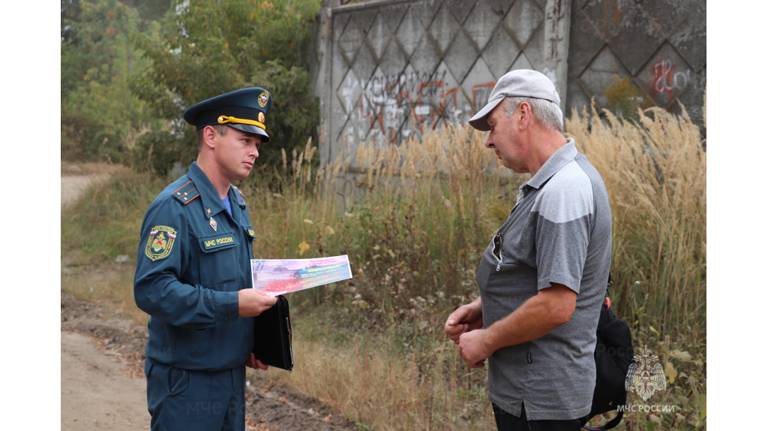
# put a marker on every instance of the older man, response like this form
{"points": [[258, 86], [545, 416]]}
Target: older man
{"points": [[543, 276]]}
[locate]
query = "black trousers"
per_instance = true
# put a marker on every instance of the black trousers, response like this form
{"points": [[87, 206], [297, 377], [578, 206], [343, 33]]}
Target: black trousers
{"points": [[509, 422]]}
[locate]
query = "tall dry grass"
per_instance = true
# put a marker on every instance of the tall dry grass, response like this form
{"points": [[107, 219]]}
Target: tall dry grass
{"points": [[382, 390], [655, 172]]}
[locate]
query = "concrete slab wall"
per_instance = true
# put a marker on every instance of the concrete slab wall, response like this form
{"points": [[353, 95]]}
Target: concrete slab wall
{"points": [[629, 53], [391, 70]]}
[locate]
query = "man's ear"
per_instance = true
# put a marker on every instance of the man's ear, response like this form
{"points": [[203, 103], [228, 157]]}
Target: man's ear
{"points": [[209, 135], [526, 116]]}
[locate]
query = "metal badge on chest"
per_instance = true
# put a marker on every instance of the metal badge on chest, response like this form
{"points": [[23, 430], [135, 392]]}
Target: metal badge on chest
{"points": [[211, 221]]}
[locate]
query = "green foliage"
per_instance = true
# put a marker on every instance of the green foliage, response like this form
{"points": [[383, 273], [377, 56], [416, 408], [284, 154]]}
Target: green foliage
{"points": [[101, 118], [159, 149], [294, 113], [131, 68], [149, 9], [207, 48]]}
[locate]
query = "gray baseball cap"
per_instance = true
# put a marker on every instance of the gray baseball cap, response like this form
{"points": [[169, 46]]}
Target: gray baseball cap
{"points": [[516, 83]]}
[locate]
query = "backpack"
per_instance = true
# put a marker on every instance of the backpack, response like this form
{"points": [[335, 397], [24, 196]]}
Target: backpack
{"points": [[613, 356]]}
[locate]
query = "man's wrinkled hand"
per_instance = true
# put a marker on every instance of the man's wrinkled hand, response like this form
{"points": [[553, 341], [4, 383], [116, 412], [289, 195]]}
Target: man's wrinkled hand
{"points": [[252, 302], [460, 321], [474, 347]]}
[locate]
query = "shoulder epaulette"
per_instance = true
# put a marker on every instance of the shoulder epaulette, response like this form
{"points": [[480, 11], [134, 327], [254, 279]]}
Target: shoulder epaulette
{"points": [[186, 193], [240, 196]]}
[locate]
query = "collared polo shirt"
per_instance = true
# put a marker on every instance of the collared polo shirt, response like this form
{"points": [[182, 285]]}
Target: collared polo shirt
{"points": [[559, 232]]}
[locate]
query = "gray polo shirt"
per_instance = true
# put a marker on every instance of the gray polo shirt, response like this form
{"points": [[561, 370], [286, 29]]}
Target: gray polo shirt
{"points": [[559, 232]]}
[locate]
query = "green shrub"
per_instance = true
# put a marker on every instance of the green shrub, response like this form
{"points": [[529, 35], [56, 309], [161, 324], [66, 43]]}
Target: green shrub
{"points": [[101, 118], [208, 48]]}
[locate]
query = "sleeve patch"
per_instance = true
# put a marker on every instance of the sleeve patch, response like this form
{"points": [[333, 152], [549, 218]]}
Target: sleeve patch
{"points": [[160, 242]]}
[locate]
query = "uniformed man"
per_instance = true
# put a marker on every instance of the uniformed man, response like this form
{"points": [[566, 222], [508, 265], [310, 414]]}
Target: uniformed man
{"points": [[193, 273]]}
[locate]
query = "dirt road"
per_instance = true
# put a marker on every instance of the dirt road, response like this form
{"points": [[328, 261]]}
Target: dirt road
{"points": [[73, 186], [97, 391], [102, 381], [117, 404]]}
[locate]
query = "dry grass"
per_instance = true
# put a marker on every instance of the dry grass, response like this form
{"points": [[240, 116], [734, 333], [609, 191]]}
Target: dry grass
{"points": [[655, 173], [91, 168], [386, 390], [106, 284]]}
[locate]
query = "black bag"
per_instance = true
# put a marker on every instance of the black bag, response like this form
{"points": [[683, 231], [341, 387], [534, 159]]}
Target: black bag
{"points": [[272, 344], [613, 356]]}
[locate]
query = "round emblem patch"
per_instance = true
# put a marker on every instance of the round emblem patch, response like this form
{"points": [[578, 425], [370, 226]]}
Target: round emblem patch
{"points": [[160, 242]]}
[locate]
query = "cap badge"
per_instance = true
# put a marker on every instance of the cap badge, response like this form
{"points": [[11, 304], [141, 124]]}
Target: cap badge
{"points": [[263, 99]]}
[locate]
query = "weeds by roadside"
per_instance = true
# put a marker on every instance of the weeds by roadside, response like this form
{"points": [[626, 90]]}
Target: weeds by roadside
{"points": [[91, 168]]}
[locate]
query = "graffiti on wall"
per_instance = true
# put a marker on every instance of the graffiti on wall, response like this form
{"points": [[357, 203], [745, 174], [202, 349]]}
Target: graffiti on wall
{"points": [[391, 108], [667, 81]]}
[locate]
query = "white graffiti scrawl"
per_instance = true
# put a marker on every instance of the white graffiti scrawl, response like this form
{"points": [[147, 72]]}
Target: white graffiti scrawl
{"points": [[391, 108]]}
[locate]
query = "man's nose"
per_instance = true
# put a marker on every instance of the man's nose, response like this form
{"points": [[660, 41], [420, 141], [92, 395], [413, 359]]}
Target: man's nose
{"points": [[488, 141]]}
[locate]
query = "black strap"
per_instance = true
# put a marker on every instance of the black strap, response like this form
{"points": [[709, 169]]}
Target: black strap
{"points": [[613, 422], [608, 425]]}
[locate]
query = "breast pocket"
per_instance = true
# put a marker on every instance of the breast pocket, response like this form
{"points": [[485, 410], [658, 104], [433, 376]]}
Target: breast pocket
{"points": [[519, 247], [219, 259]]}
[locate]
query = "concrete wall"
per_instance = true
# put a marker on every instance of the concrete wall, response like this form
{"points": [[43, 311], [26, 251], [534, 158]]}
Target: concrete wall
{"points": [[391, 70], [651, 51]]}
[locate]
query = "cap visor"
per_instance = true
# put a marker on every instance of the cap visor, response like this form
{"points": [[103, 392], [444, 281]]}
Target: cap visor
{"points": [[247, 128], [480, 121]]}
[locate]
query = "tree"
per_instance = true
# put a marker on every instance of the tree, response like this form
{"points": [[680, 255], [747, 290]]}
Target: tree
{"points": [[207, 48], [101, 117]]}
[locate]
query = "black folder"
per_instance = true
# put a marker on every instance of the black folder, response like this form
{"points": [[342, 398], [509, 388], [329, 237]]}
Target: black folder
{"points": [[272, 344]]}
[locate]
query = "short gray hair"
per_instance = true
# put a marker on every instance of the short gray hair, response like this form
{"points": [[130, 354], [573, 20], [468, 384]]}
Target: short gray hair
{"points": [[546, 112]]}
